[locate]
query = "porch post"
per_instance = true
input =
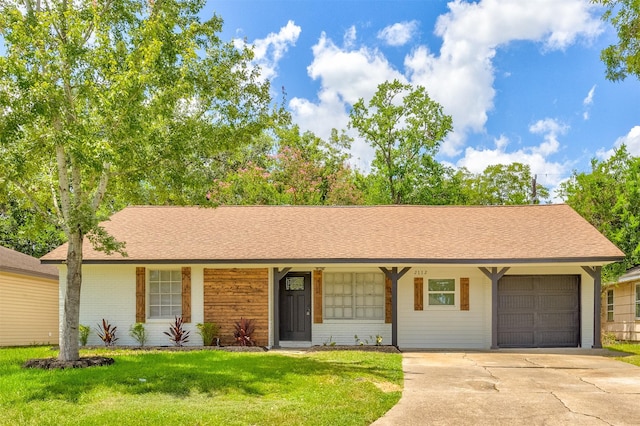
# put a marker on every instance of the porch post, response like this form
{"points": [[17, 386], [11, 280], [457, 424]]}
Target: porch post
{"points": [[596, 273], [494, 275], [277, 276], [394, 276]]}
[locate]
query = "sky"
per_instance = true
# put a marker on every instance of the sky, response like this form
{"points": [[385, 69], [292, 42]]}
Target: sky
{"points": [[522, 80]]}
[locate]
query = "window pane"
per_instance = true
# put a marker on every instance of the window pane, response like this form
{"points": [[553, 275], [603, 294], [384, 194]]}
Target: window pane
{"points": [[154, 311], [154, 299], [165, 287], [442, 285], [441, 299], [176, 276], [165, 275], [154, 288], [165, 293], [154, 275]]}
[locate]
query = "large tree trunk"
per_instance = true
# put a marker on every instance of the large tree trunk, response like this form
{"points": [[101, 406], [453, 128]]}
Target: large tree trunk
{"points": [[69, 350]]}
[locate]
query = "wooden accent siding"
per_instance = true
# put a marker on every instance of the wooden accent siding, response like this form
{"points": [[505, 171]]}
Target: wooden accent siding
{"points": [[464, 294], [186, 294], [141, 279], [230, 294], [418, 294], [317, 296], [387, 301]]}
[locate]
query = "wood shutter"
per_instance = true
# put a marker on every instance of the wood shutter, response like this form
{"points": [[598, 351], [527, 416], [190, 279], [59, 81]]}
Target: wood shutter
{"points": [[464, 294], [418, 294], [388, 301], [141, 279], [186, 294], [317, 296]]}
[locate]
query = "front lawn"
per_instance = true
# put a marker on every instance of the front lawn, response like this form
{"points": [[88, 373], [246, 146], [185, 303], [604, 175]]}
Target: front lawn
{"points": [[201, 387], [633, 349]]}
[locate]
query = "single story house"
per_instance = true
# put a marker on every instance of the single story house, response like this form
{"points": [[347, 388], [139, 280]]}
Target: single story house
{"points": [[28, 300], [412, 276], [621, 307]]}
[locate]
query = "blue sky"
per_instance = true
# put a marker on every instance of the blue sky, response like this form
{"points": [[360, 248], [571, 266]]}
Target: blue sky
{"points": [[522, 79]]}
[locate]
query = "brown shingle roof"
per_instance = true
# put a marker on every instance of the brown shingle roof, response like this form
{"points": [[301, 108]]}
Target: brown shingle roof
{"points": [[19, 263], [420, 234]]}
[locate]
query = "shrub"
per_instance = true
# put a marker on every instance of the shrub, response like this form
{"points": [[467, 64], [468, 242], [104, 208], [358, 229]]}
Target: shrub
{"points": [[84, 331], [139, 333], [107, 333], [177, 334], [209, 331], [244, 332]]}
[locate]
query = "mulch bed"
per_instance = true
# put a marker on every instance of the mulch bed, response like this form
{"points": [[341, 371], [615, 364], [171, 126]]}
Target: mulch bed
{"points": [[55, 363], [367, 348]]}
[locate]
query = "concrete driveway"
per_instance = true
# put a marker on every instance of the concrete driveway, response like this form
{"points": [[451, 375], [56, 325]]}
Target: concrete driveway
{"points": [[537, 387]]}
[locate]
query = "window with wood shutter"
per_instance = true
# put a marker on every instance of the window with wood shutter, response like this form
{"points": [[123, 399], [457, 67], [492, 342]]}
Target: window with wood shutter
{"points": [[610, 305], [352, 295], [165, 293], [442, 292], [418, 294]]}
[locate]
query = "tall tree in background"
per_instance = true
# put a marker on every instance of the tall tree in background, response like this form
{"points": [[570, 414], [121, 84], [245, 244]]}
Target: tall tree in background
{"points": [[622, 58], [609, 198], [100, 99], [406, 128], [502, 184]]}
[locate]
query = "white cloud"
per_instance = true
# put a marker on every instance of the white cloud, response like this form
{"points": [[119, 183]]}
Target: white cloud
{"points": [[270, 50], [461, 77], [589, 99], [398, 34], [550, 128], [631, 140]]}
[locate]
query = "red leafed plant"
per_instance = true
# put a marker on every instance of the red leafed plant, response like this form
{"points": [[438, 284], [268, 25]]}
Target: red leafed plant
{"points": [[107, 333], [244, 332], [177, 333]]}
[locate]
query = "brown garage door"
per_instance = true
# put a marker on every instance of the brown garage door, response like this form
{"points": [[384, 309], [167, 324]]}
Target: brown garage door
{"points": [[539, 311]]}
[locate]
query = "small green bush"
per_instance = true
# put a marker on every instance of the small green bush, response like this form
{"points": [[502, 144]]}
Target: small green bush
{"points": [[139, 333], [209, 331], [84, 331]]}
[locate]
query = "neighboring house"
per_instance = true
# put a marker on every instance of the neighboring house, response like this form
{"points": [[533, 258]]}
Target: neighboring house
{"points": [[621, 307], [28, 300], [418, 276]]}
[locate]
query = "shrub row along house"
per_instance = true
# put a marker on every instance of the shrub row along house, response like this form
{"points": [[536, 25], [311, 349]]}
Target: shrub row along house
{"points": [[412, 276], [28, 300]]}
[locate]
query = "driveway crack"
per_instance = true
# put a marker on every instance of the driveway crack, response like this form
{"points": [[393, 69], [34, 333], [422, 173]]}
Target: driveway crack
{"points": [[576, 412], [495, 379]]}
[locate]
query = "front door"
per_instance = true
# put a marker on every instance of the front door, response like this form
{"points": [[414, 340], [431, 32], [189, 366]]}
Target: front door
{"points": [[295, 306]]}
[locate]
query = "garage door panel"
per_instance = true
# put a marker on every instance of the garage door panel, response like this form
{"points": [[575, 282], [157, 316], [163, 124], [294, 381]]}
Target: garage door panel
{"points": [[539, 311]]}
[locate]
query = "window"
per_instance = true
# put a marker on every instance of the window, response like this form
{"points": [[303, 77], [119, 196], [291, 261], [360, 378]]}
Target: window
{"points": [[442, 292], [165, 293], [638, 301], [354, 295], [609, 305]]}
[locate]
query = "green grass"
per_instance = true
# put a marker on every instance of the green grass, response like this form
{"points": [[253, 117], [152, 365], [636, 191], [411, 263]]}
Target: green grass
{"points": [[201, 388], [633, 349]]}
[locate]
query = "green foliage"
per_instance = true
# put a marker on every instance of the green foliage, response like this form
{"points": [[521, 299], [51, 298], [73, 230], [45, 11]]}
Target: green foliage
{"points": [[201, 387], [107, 333], [630, 348], [503, 185], [209, 332], [177, 334], [139, 333], [623, 58], [406, 128], [244, 332], [609, 198], [84, 331], [109, 103]]}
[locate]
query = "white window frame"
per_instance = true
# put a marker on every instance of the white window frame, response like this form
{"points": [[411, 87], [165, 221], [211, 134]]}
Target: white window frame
{"points": [[365, 300], [167, 299], [637, 304], [453, 292], [610, 298]]}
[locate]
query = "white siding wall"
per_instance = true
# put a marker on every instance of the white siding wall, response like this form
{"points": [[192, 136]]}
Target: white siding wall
{"points": [[343, 332], [439, 327], [109, 292]]}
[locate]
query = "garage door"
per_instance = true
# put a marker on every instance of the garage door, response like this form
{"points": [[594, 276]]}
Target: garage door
{"points": [[539, 311]]}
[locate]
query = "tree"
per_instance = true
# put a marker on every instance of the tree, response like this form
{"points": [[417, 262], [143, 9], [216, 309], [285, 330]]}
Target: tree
{"points": [[609, 198], [502, 184], [623, 58], [405, 127], [101, 101]]}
